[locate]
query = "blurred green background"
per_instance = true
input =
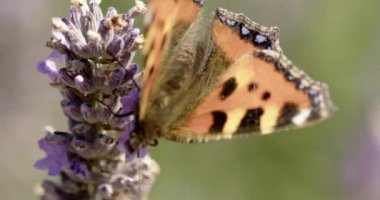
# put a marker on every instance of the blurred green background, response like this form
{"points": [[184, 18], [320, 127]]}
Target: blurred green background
{"points": [[335, 41]]}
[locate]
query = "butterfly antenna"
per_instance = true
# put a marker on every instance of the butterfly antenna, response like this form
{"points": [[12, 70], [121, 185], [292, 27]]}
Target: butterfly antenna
{"points": [[133, 80], [62, 133], [138, 154]]}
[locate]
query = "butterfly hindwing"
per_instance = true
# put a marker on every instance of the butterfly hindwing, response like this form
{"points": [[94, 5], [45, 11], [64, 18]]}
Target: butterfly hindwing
{"points": [[266, 93], [168, 20]]}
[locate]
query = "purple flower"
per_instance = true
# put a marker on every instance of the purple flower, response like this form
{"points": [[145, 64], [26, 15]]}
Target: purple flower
{"points": [[55, 147], [58, 56], [99, 97], [362, 164], [49, 68], [362, 170], [130, 101]]}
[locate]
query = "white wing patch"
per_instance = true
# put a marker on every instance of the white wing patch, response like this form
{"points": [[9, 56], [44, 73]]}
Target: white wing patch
{"points": [[301, 117]]}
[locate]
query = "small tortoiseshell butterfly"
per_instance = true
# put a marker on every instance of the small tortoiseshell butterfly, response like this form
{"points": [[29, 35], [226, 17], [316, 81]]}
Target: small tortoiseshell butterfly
{"points": [[220, 76]]}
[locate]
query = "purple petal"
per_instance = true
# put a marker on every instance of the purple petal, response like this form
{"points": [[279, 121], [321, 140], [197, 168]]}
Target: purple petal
{"points": [[61, 38], [56, 156], [143, 152], [88, 113], [130, 38], [140, 153], [95, 1], [135, 32], [125, 136], [362, 169], [49, 68], [57, 55], [130, 101], [46, 163], [117, 77], [75, 16], [116, 46], [79, 168], [71, 110], [132, 70], [111, 12]]}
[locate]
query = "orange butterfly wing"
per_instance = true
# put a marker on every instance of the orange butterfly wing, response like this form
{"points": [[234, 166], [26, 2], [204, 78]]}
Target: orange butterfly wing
{"points": [[260, 92], [254, 97], [169, 19]]}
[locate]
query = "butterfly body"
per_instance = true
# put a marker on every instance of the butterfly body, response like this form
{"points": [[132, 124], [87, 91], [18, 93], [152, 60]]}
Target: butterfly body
{"points": [[220, 76]]}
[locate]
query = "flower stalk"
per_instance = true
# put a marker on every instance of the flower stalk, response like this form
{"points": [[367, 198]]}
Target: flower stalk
{"points": [[92, 67]]}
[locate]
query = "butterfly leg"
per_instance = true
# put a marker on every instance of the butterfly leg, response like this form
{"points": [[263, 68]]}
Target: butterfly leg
{"points": [[154, 143]]}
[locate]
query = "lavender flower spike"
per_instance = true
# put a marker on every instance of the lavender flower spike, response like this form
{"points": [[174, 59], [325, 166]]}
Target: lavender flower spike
{"points": [[96, 83]]}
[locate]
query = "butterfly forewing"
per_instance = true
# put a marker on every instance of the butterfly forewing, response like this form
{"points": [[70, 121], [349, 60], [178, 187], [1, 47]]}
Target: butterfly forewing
{"points": [[236, 34]]}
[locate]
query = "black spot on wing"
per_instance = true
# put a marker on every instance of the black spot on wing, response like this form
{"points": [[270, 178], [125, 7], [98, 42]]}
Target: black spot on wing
{"points": [[266, 95], [228, 88], [288, 111], [251, 120], [252, 87], [219, 119]]}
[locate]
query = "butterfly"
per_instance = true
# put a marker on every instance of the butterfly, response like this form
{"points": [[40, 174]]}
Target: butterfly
{"points": [[218, 76]]}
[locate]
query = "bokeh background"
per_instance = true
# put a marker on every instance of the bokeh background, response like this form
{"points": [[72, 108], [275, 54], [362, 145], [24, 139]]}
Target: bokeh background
{"points": [[336, 41]]}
